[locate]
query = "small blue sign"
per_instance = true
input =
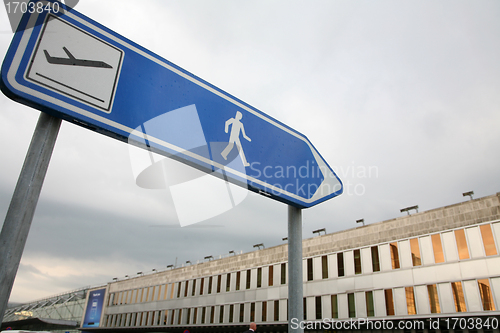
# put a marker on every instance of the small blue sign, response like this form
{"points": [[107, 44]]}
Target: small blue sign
{"points": [[74, 68]]}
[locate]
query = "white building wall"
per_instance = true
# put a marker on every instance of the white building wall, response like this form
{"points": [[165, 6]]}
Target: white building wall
{"points": [[405, 254], [366, 260], [360, 301], [472, 298], [349, 263], [385, 257], [399, 301], [476, 248], [449, 246]]}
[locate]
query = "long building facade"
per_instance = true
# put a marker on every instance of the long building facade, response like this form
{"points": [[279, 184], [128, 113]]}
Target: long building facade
{"points": [[433, 270]]}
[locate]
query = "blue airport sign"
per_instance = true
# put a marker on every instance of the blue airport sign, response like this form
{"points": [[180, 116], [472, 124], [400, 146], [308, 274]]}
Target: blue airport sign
{"points": [[65, 64]]}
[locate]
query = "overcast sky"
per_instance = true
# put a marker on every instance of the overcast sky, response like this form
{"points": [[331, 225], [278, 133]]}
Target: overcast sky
{"points": [[401, 98]]}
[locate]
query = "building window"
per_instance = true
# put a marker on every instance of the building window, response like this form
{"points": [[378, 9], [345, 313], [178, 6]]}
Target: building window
{"points": [[324, 267], [264, 311], [259, 277], [486, 295], [271, 277], [165, 318], [340, 263], [335, 309], [309, 269], [249, 274], [389, 302], [172, 318], [394, 255], [252, 311], [179, 319], [375, 259], [304, 307], [370, 308], [438, 248], [186, 285], [276, 310], [159, 293], [415, 252], [287, 307], [283, 273], [238, 279], [125, 294], [193, 291], [463, 251], [228, 282], [357, 261], [488, 241], [188, 315], [130, 319], [202, 282], [172, 291], [231, 313], [195, 315], [165, 293], [433, 298], [242, 312], [410, 301], [118, 298], [179, 286], [212, 314], [319, 310], [203, 314], [458, 296], [153, 292], [351, 305], [158, 318], [221, 314], [210, 281], [219, 282]]}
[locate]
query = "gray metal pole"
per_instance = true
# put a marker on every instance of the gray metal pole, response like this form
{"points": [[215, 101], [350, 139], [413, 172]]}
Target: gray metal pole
{"points": [[295, 287], [23, 204]]}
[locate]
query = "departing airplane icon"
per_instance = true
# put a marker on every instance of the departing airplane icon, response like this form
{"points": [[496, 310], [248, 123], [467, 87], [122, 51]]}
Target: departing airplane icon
{"points": [[73, 61]]}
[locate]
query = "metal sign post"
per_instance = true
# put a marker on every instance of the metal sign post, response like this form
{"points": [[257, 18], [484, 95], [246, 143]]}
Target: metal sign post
{"points": [[23, 204], [295, 287]]}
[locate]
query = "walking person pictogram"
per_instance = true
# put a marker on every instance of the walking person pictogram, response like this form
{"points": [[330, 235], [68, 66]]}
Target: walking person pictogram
{"points": [[234, 137]]}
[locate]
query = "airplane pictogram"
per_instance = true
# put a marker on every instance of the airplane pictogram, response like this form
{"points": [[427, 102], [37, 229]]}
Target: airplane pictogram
{"points": [[71, 60]]}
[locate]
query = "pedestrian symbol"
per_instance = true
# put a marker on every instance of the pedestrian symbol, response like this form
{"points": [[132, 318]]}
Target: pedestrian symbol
{"points": [[234, 137]]}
